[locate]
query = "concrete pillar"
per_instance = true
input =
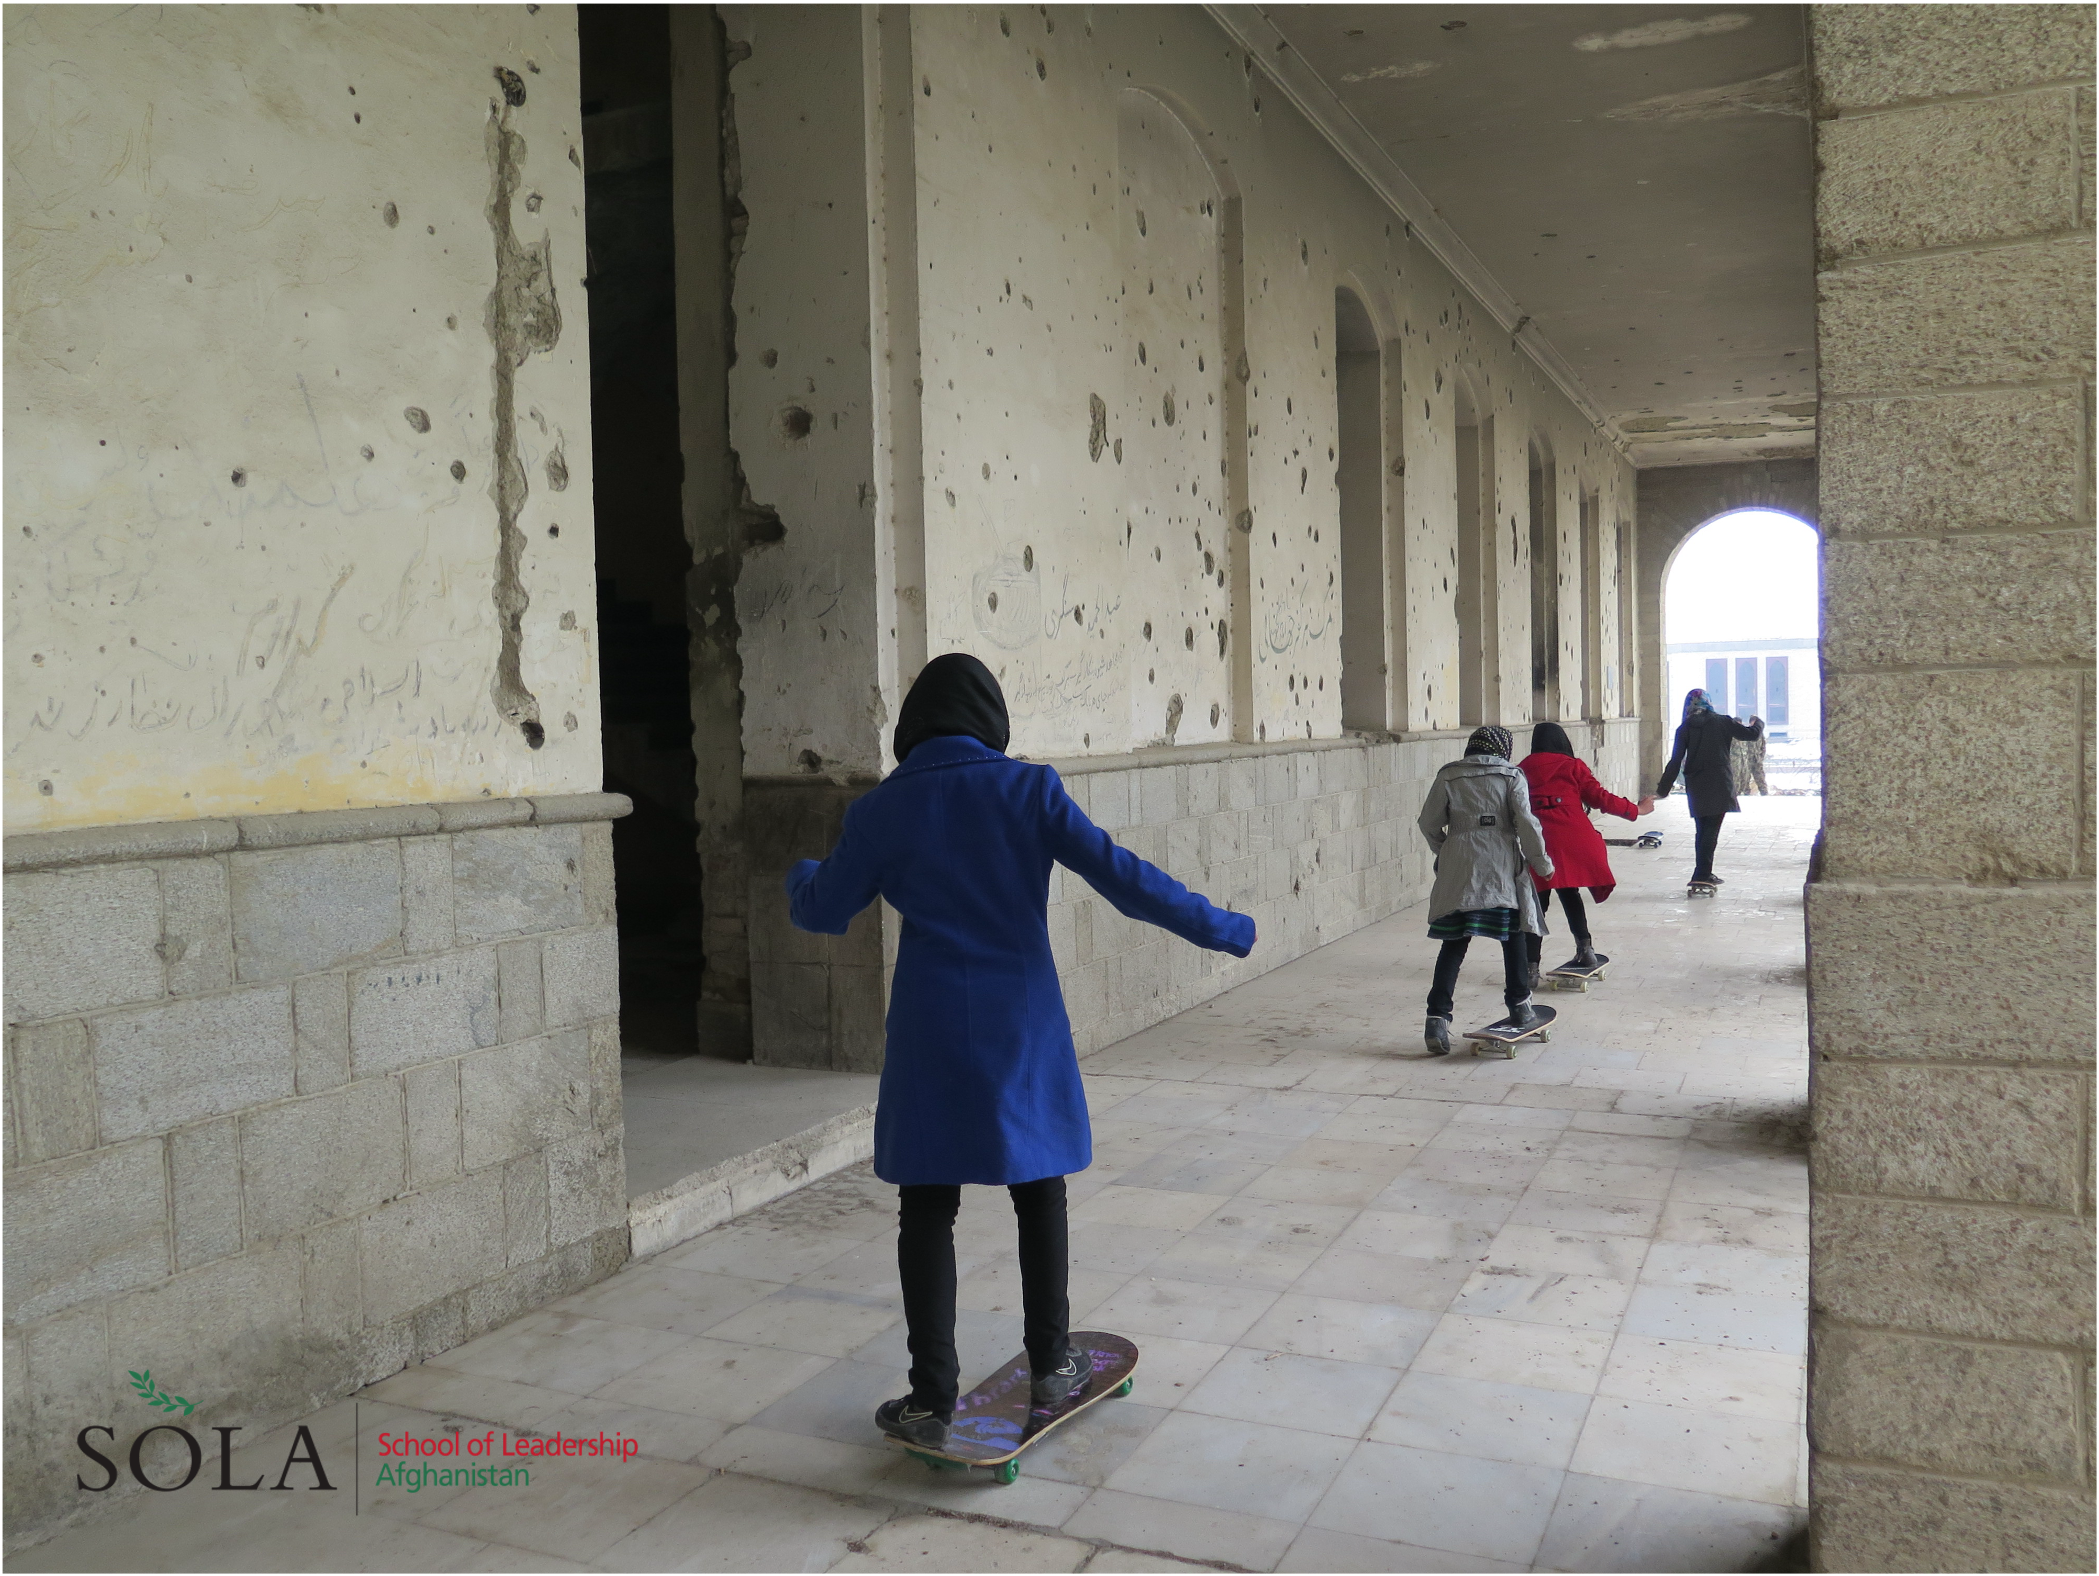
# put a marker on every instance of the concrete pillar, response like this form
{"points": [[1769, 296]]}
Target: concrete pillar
{"points": [[1950, 918]]}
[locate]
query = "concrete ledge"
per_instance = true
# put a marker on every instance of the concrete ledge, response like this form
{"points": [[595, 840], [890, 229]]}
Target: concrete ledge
{"points": [[109, 845], [693, 1204]]}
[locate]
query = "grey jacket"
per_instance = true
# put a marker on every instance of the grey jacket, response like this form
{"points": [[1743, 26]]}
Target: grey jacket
{"points": [[1478, 819]]}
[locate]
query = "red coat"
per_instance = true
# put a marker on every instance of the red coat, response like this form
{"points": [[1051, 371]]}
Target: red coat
{"points": [[1563, 792]]}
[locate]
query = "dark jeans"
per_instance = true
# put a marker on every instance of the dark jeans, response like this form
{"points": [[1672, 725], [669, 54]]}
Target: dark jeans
{"points": [[1577, 921], [925, 1263], [1707, 840], [1516, 971]]}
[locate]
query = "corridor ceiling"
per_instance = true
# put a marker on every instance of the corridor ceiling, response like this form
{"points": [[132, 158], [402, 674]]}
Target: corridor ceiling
{"points": [[1637, 178]]}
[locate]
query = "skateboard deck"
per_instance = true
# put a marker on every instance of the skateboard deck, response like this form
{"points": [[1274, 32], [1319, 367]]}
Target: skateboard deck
{"points": [[1509, 1039], [1648, 840], [1701, 889], [994, 1422], [1568, 977]]}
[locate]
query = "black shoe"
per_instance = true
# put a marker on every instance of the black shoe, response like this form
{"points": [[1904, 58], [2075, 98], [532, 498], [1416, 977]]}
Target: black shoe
{"points": [[899, 1419], [1519, 1017], [1534, 976], [1436, 1036], [1067, 1379], [1584, 956]]}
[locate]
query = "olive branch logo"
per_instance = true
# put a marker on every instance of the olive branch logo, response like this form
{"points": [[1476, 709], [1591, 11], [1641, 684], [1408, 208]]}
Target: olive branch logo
{"points": [[153, 1395]]}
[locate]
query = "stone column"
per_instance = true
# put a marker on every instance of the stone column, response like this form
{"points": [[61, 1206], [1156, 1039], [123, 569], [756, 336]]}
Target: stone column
{"points": [[1950, 917]]}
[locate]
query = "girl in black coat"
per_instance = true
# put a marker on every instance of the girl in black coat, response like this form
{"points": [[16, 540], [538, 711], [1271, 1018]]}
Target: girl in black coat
{"points": [[1704, 748]]}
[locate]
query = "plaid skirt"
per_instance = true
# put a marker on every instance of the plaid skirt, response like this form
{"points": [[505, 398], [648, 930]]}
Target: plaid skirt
{"points": [[1496, 924]]}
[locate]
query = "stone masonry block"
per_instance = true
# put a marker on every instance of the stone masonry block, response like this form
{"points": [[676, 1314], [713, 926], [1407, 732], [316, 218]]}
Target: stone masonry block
{"points": [[206, 1327], [522, 1007], [1963, 601], [322, 1158], [1163, 790], [1110, 800], [859, 1003], [791, 1013], [1876, 1518], [1952, 462], [517, 1099], [204, 1179], [430, 1244], [164, 1067], [196, 940], [321, 1031], [302, 910], [1870, 55], [427, 898], [607, 1097], [430, 1096], [82, 939], [1956, 1270], [597, 873], [51, 1084], [1984, 1134], [1205, 788], [331, 1301], [586, 1187], [84, 1228], [579, 971], [421, 1009], [1882, 960], [2012, 314], [524, 1210], [517, 880], [1901, 740], [68, 1377], [1945, 1406], [1947, 175]]}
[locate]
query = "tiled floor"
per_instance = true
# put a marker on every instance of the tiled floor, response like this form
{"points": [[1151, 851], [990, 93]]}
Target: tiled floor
{"points": [[687, 1113], [1396, 1314]]}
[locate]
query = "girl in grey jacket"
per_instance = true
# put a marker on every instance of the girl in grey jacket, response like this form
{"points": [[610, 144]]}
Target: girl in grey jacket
{"points": [[1478, 819]]}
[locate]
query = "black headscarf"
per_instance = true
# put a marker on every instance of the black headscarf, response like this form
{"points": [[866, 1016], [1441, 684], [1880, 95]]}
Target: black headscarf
{"points": [[1491, 740], [1549, 738], [954, 694]]}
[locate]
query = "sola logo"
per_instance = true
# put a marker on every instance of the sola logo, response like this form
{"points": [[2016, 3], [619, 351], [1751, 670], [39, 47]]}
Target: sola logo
{"points": [[303, 1449]]}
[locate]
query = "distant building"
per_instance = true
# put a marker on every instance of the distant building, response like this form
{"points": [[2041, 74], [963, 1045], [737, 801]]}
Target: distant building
{"points": [[1778, 680]]}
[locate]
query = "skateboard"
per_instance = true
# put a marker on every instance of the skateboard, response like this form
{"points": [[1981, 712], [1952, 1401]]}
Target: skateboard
{"points": [[994, 1423], [1509, 1039], [1568, 977], [1701, 889], [1648, 840]]}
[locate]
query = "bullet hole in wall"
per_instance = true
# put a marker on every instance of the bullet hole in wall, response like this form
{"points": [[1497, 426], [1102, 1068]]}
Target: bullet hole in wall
{"points": [[1140, 352], [1147, 629], [1027, 558], [533, 202], [535, 735], [458, 470], [809, 761], [553, 530], [568, 619], [1304, 251], [568, 721], [240, 478], [795, 423], [771, 358], [925, 86], [1224, 637], [991, 601], [950, 497], [987, 470], [1118, 451], [513, 86], [1041, 70], [44, 787], [417, 418], [1167, 407], [391, 215], [1188, 637], [1005, 24]]}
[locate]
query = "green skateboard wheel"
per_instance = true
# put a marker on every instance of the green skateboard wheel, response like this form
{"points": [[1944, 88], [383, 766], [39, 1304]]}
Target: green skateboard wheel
{"points": [[1006, 1471], [1125, 1387]]}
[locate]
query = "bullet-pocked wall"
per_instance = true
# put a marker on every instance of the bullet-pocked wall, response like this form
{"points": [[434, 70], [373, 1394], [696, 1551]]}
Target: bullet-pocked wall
{"points": [[295, 350], [1038, 354]]}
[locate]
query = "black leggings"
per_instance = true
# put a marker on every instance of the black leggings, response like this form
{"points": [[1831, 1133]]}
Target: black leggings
{"points": [[925, 1263], [1577, 921], [1706, 842], [1516, 974]]}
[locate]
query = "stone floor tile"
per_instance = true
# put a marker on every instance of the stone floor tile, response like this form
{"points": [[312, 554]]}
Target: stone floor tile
{"points": [[1512, 1114], [1765, 1226], [869, 1270], [995, 1288], [1733, 1456], [1636, 1126], [1315, 1185], [1574, 1302], [1031, 1498], [1539, 1250], [1318, 1394], [501, 1557], [430, 1388], [1125, 1561], [660, 1296], [1168, 1368], [1160, 1209], [729, 1381], [1476, 1417], [1588, 1213], [562, 1351], [805, 1319], [1268, 1262], [1093, 1444], [1466, 1504], [1424, 1284], [1416, 1236], [735, 1523], [1600, 1176], [1381, 1334], [1602, 1524], [1335, 1154], [1507, 1351], [1703, 1378], [668, 1436], [1316, 1549], [1200, 1532], [1113, 1249], [1478, 1138], [575, 1510], [1189, 1310], [1719, 1318], [982, 1342], [1625, 1149], [931, 1543], [1475, 1202], [1743, 1183], [754, 1251], [1228, 1464], [804, 1459], [1278, 1220], [1470, 1167], [1719, 1267]]}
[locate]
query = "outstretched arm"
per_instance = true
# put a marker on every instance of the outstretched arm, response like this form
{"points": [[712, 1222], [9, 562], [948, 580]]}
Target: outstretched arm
{"points": [[1597, 797], [1752, 729], [825, 897], [1135, 887]]}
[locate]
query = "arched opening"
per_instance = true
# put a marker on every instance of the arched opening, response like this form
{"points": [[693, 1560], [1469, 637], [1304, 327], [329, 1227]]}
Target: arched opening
{"points": [[1592, 578], [1545, 584], [1741, 621], [1358, 476], [1479, 611]]}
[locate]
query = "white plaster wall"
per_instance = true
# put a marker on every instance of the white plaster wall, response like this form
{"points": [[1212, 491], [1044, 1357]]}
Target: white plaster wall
{"points": [[1022, 202], [238, 579]]}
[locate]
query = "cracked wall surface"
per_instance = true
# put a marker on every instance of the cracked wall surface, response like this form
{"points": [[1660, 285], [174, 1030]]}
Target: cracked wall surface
{"points": [[276, 540]]}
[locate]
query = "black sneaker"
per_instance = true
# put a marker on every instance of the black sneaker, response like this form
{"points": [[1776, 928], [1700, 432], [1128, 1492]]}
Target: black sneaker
{"points": [[1519, 1018], [1436, 1036], [899, 1419], [1067, 1379]]}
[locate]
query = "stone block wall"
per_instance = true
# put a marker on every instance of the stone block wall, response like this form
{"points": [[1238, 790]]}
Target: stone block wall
{"points": [[1314, 840], [1950, 921], [293, 1101]]}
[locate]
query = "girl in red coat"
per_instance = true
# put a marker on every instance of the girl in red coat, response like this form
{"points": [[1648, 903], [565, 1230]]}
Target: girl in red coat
{"points": [[1563, 792]]}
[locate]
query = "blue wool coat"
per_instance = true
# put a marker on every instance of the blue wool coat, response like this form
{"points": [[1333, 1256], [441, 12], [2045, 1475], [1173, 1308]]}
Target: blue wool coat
{"points": [[981, 1083]]}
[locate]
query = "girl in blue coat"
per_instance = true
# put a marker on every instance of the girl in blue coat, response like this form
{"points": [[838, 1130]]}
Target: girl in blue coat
{"points": [[980, 1083]]}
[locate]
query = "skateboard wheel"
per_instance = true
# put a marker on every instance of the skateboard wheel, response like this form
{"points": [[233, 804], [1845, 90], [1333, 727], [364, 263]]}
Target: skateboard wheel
{"points": [[1542, 1036], [1125, 1387], [1006, 1471]]}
